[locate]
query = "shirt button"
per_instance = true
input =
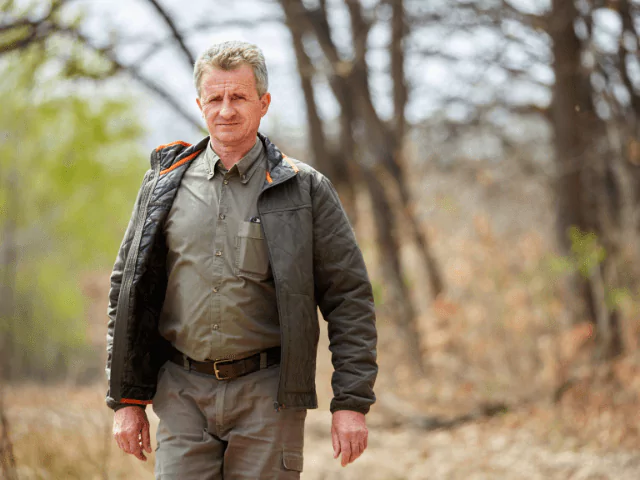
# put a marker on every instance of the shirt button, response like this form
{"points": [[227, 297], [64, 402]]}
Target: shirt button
{"points": [[216, 326], [222, 216], [226, 182], [218, 253], [215, 289]]}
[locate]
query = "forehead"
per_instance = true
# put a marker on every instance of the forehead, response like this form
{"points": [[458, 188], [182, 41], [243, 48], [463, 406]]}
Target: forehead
{"points": [[240, 78]]}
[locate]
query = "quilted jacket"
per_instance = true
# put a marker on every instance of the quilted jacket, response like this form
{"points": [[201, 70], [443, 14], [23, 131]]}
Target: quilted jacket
{"points": [[315, 263]]}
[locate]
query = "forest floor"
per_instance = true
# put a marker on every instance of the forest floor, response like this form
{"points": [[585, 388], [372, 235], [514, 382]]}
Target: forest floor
{"points": [[502, 336], [61, 433], [64, 432]]}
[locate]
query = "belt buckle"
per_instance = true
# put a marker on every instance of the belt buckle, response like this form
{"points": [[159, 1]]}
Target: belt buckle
{"points": [[217, 372]]}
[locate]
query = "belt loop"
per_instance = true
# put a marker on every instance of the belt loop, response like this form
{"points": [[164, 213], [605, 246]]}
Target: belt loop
{"points": [[263, 360], [186, 363]]}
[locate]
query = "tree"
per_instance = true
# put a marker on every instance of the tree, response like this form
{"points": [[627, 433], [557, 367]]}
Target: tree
{"points": [[369, 149], [594, 114], [66, 183], [596, 127], [23, 28]]}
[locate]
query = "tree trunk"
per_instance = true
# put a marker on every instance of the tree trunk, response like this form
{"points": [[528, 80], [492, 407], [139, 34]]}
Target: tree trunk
{"points": [[583, 185], [334, 164], [402, 311], [8, 272], [7, 459]]}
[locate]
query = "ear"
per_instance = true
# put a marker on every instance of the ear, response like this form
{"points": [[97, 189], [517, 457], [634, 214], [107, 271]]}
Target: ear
{"points": [[265, 101]]}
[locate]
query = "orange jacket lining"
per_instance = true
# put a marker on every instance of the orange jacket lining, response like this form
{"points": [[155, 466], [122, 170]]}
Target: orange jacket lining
{"points": [[181, 162], [179, 142]]}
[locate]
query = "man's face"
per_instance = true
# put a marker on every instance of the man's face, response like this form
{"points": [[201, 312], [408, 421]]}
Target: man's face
{"points": [[230, 105]]}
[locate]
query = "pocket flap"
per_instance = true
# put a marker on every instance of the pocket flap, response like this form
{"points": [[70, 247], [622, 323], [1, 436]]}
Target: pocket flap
{"points": [[292, 461], [250, 229]]}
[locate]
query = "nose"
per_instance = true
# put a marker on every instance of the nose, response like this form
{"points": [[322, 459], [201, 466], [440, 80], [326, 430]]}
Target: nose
{"points": [[226, 110]]}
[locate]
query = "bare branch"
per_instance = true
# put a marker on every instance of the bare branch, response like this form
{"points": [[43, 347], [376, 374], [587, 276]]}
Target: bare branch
{"points": [[135, 72], [306, 72], [175, 32], [396, 51]]}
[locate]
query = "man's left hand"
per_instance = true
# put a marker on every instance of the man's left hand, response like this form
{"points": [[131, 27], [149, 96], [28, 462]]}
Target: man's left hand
{"points": [[349, 435]]}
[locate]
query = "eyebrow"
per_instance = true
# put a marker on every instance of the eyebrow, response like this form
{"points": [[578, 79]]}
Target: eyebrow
{"points": [[218, 96]]}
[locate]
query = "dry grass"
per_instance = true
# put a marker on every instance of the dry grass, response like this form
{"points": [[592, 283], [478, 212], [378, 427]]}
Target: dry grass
{"points": [[501, 333], [65, 433]]}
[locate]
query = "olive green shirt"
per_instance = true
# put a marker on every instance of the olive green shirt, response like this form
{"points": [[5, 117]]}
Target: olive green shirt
{"points": [[220, 300]]}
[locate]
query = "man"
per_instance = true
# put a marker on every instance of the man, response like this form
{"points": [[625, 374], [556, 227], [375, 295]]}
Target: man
{"points": [[212, 308]]}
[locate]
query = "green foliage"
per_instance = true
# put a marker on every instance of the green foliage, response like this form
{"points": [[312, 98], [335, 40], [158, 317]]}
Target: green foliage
{"points": [[616, 296], [378, 292], [585, 255], [70, 167]]}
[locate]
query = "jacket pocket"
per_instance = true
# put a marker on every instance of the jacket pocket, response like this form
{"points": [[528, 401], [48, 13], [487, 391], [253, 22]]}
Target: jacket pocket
{"points": [[252, 258]]}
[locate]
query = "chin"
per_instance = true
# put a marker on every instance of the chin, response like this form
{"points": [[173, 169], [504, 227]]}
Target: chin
{"points": [[228, 136]]}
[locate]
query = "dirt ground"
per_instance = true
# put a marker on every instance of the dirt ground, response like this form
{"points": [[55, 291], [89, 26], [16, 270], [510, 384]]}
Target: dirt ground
{"points": [[477, 451], [63, 432]]}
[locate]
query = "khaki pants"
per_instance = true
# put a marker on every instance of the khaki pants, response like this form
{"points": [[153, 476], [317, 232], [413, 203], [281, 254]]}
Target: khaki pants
{"points": [[225, 429]]}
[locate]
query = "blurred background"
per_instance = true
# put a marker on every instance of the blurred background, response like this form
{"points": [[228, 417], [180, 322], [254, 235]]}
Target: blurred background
{"points": [[487, 153]]}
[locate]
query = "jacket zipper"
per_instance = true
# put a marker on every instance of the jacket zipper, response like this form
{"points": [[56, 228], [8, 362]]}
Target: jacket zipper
{"points": [[127, 279], [284, 348]]}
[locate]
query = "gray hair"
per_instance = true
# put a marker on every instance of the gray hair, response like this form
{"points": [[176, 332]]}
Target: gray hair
{"points": [[229, 56]]}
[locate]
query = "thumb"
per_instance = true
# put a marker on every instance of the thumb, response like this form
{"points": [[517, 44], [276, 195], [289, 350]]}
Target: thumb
{"points": [[146, 439], [335, 442]]}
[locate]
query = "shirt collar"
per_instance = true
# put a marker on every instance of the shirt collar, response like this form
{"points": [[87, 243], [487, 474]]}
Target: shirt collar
{"points": [[245, 166]]}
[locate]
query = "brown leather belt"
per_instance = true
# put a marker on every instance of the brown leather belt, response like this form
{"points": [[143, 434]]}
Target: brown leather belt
{"points": [[228, 369]]}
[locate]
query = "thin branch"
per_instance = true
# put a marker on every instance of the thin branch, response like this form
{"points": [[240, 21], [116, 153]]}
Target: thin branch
{"points": [[397, 53], [175, 32], [236, 23], [135, 72]]}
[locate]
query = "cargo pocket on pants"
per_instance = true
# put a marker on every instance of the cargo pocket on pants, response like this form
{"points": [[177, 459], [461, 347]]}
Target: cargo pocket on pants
{"points": [[292, 461]]}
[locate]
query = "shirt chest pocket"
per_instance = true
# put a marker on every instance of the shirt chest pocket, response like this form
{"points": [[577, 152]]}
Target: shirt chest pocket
{"points": [[252, 257]]}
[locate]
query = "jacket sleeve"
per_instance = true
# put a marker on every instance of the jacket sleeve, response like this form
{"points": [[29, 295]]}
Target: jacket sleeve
{"points": [[344, 294], [114, 291]]}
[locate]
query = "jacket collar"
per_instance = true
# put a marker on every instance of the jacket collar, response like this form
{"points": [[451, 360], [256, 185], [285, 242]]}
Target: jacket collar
{"points": [[278, 168]]}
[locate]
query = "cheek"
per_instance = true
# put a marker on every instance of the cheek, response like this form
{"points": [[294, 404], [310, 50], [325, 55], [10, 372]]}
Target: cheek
{"points": [[256, 115]]}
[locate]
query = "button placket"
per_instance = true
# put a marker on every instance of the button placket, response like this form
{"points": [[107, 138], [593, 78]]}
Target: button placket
{"points": [[218, 268]]}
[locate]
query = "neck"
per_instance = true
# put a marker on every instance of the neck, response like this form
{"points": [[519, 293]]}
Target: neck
{"points": [[232, 154]]}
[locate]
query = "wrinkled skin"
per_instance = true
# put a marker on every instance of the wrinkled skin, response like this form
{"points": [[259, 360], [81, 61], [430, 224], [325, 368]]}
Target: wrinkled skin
{"points": [[131, 431], [232, 109], [349, 435]]}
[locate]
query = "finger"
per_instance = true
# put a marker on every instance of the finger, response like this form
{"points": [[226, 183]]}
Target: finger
{"points": [[116, 437], [134, 447], [146, 438], [123, 443], [138, 453], [366, 441], [336, 443], [356, 451], [346, 452]]}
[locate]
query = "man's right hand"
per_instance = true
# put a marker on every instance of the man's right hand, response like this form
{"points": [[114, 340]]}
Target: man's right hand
{"points": [[131, 431]]}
